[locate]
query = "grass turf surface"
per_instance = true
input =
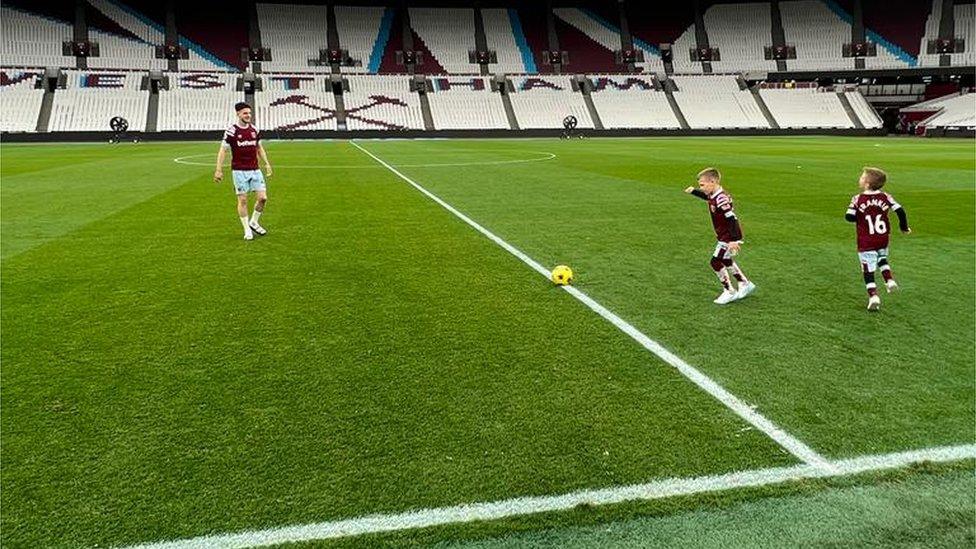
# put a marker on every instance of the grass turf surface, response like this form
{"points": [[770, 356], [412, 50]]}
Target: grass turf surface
{"points": [[162, 378]]}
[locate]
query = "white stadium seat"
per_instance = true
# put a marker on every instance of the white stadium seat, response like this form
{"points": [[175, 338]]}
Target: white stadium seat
{"points": [[20, 101], [91, 99], [466, 103], [382, 102], [806, 108], [294, 34], [715, 101], [33, 41], [295, 102], [501, 36], [740, 32], [630, 101], [818, 34], [199, 101], [544, 101], [359, 31], [448, 34]]}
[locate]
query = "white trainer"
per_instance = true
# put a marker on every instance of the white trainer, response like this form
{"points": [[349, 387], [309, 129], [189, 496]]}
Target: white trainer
{"points": [[248, 235], [745, 290], [891, 285], [727, 296], [874, 303], [258, 229]]}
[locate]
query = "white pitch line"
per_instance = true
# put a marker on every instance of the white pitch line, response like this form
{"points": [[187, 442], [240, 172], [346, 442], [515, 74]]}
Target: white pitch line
{"points": [[787, 441], [425, 518]]}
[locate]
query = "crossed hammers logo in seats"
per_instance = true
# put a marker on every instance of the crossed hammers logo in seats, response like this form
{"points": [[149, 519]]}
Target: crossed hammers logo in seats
{"points": [[376, 100]]}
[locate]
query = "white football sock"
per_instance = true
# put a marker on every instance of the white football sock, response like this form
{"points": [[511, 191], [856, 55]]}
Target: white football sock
{"points": [[255, 216], [247, 228]]}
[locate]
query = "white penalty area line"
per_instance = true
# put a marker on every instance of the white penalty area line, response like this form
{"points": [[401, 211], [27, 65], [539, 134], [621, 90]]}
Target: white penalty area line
{"points": [[787, 441], [425, 518]]}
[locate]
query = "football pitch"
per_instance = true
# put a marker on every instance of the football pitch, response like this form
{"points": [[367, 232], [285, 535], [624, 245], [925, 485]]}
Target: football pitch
{"points": [[391, 353]]}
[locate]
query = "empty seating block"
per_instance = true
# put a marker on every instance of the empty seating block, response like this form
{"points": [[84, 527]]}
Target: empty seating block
{"points": [[20, 100], [606, 34], [806, 108], [382, 102], [199, 101], [33, 41], [965, 28], [92, 98], [295, 102], [448, 34], [295, 34], [543, 102], [681, 59], [864, 111], [951, 110], [466, 103], [740, 32], [118, 52], [965, 18], [631, 102], [717, 102], [509, 45], [818, 34], [359, 30]]}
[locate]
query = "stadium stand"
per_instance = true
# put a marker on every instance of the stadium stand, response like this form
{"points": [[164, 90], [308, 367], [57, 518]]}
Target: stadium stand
{"points": [[630, 101], [740, 32], [952, 110], [91, 98], [31, 40], [868, 116], [926, 59], [363, 31], [503, 34], [716, 101], [543, 102], [448, 33], [607, 35], [682, 44], [652, 24], [466, 103], [297, 95], [818, 33], [965, 28], [20, 100], [586, 55], [139, 52], [382, 102], [295, 102], [122, 53], [295, 34], [199, 101], [806, 108]]}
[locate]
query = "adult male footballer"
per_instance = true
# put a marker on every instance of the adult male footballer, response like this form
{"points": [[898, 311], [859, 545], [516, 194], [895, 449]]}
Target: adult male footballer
{"points": [[244, 142]]}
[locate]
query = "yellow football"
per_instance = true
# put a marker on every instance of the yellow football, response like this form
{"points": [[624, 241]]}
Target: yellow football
{"points": [[562, 275]]}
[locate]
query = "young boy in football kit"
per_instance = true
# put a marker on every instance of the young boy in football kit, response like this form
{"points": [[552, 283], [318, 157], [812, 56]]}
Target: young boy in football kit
{"points": [[728, 233], [869, 211]]}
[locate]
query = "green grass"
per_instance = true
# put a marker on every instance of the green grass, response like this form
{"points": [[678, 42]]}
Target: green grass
{"points": [[162, 378]]}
